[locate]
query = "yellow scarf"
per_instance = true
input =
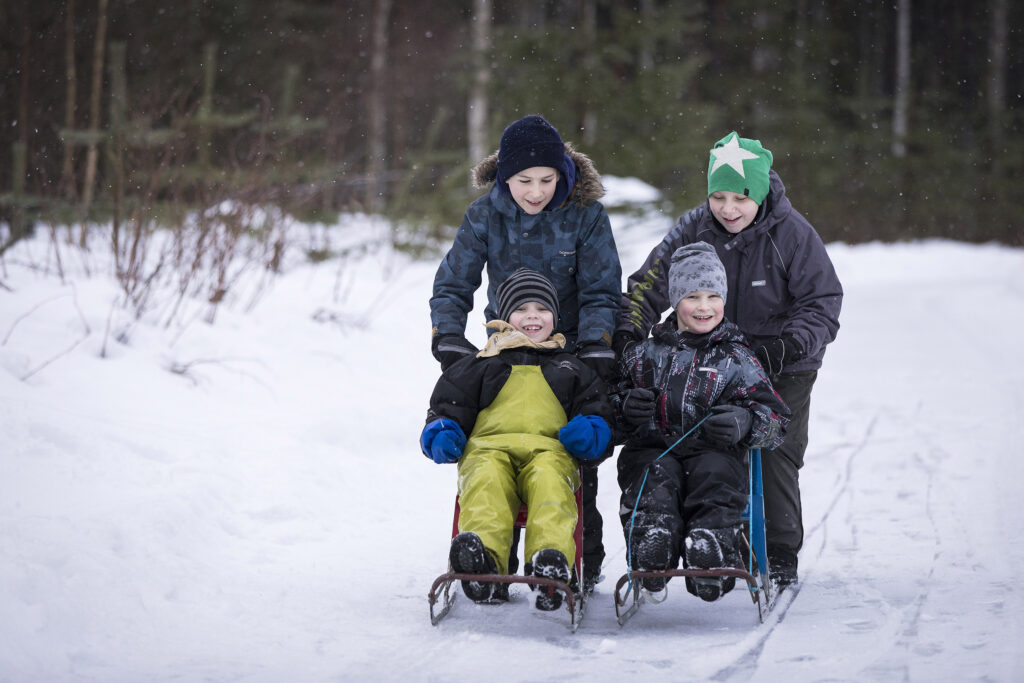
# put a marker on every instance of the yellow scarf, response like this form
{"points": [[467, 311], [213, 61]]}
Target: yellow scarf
{"points": [[508, 337]]}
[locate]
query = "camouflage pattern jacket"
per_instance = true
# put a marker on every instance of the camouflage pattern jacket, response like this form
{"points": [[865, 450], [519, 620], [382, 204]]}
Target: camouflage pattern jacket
{"points": [[572, 245], [781, 280], [691, 373]]}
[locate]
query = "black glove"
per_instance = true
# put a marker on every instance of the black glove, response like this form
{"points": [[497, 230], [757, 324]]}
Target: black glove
{"points": [[638, 406], [775, 354], [600, 358], [621, 341], [449, 348], [727, 425]]}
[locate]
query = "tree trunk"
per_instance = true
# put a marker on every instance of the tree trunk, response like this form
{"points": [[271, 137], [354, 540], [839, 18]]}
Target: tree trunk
{"points": [[92, 152], [476, 118], [901, 97], [67, 173], [376, 109], [997, 49], [588, 114]]}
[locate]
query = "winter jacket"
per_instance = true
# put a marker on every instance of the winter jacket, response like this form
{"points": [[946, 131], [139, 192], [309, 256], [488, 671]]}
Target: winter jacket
{"points": [[572, 245], [691, 373], [469, 386], [781, 280]]}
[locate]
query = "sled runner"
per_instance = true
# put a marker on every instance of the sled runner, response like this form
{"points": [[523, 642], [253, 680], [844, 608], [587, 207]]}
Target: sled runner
{"points": [[762, 591], [443, 592]]}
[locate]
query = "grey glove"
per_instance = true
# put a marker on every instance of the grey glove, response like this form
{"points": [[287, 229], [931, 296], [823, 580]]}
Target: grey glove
{"points": [[727, 425]]}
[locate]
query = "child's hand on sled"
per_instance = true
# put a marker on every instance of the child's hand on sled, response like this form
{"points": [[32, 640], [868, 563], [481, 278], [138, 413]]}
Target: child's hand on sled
{"points": [[728, 424], [442, 441], [586, 436]]}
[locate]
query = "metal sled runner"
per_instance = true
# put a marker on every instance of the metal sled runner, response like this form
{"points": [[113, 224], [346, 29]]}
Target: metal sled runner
{"points": [[442, 591], [762, 591]]}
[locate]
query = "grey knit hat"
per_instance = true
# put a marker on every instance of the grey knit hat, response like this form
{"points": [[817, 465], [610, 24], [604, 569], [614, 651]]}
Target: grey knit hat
{"points": [[523, 286], [696, 267]]}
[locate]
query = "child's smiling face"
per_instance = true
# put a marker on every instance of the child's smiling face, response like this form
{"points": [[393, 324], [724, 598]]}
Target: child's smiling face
{"points": [[533, 319], [734, 211], [700, 311], [533, 188]]}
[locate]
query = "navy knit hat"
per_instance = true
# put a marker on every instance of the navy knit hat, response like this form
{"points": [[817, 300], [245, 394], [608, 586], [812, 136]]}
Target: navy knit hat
{"points": [[696, 267], [530, 141], [523, 286]]}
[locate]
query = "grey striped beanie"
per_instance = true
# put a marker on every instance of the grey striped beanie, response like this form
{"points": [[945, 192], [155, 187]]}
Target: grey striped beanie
{"points": [[522, 286]]}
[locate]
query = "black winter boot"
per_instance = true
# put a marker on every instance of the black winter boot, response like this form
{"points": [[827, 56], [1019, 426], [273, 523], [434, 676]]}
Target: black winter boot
{"points": [[712, 549], [782, 566], [469, 556], [550, 564], [653, 552]]}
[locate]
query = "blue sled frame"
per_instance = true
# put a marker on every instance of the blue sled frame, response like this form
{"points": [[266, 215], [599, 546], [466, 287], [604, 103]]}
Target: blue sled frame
{"points": [[762, 591]]}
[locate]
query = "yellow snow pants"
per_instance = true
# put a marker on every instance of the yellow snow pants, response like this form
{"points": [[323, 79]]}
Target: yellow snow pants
{"points": [[513, 456]]}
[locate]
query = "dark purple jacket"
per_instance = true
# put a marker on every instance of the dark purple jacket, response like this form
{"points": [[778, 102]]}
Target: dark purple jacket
{"points": [[781, 279]]}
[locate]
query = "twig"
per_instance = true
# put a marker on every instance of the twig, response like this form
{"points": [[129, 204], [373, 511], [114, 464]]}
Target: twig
{"points": [[87, 332], [27, 314]]}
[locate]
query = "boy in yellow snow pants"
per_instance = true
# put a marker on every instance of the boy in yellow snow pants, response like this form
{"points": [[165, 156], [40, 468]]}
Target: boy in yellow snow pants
{"points": [[515, 400]]}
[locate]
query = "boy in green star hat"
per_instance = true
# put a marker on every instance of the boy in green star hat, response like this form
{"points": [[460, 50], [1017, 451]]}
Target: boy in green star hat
{"points": [[784, 296]]}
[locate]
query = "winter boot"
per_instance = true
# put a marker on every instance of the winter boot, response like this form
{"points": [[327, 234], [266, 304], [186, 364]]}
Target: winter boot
{"points": [[591, 577], [550, 564], [653, 552], [468, 556], [782, 567], [712, 549]]}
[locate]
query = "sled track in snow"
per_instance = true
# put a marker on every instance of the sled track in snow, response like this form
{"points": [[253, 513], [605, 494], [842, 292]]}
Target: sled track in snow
{"points": [[745, 664]]}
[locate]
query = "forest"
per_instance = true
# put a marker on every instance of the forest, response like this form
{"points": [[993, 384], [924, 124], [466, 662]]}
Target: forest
{"points": [[888, 120]]}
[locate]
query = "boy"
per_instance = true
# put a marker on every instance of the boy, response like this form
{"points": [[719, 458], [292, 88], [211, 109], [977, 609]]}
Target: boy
{"points": [[541, 212], [784, 296], [530, 410], [688, 501]]}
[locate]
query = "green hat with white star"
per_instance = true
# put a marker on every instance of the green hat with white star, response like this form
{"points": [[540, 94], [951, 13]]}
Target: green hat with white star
{"points": [[739, 165]]}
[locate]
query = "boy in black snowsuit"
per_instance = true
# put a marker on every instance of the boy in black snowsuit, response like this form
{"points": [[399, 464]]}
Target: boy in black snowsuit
{"points": [[687, 502], [532, 413]]}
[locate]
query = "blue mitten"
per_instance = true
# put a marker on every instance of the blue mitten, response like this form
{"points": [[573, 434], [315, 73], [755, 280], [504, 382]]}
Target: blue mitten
{"points": [[442, 441], [586, 436]]}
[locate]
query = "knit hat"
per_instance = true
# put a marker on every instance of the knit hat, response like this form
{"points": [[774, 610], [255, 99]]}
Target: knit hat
{"points": [[530, 141], [739, 165], [523, 286], [695, 267]]}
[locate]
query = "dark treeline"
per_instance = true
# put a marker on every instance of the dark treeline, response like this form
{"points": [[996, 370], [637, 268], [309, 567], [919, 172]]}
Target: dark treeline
{"points": [[887, 120]]}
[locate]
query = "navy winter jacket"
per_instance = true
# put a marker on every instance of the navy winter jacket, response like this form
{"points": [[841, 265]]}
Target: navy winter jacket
{"points": [[572, 245], [781, 279]]}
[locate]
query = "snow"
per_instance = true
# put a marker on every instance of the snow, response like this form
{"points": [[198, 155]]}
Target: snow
{"points": [[264, 513]]}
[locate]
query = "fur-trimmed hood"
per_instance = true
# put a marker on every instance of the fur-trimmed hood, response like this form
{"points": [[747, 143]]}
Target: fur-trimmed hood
{"points": [[588, 187]]}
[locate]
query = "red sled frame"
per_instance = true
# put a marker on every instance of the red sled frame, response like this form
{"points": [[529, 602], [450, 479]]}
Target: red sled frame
{"points": [[442, 589]]}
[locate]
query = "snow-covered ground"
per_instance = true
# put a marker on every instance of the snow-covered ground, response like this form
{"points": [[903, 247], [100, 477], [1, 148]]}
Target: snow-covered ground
{"points": [[264, 513]]}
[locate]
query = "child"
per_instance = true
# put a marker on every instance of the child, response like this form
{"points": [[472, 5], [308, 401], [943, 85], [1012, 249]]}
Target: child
{"points": [[528, 408], [541, 212], [689, 501], [785, 298]]}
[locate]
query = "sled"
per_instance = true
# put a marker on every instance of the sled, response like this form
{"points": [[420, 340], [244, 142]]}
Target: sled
{"points": [[762, 591], [443, 590]]}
